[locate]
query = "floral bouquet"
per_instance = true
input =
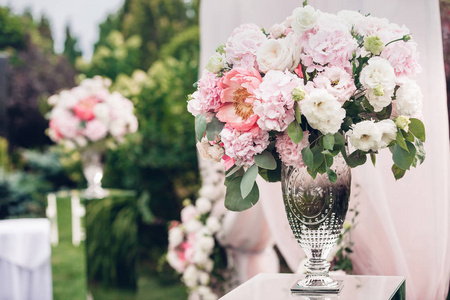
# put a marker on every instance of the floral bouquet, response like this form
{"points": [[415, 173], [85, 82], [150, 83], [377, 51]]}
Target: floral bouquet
{"points": [[90, 113], [191, 245], [296, 93]]}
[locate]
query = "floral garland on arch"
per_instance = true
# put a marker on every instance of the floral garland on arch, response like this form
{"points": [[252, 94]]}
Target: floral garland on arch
{"points": [[294, 94], [90, 114]]}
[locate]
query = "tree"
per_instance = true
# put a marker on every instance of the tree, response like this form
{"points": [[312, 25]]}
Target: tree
{"points": [[71, 49], [12, 30]]}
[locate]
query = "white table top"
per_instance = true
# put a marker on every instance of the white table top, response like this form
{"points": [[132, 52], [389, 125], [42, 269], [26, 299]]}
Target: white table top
{"points": [[277, 286]]}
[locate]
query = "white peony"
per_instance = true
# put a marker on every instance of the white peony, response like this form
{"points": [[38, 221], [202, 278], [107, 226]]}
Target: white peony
{"points": [[409, 98], [279, 54], [203, 205], [304, 18], [378, 74], [216, 63], [379, 102], [350, 17], [176, 236], [213, 224], [365, 136], [388, 132], [190, 276], [323, 111]]}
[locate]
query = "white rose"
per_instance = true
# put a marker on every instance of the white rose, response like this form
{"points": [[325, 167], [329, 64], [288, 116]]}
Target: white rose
{"points": [[175, 262], [277, 30], [378, 72], [379, 102], [200, 257], [388, 132], [53, 100], [216, 63], [304, 18], [210, 191], [409, 98], [81, 141], [176, 236], [215, 152], [193, 226], [365, 136], [208, 265], [323, 111], [279, 54], [101, 112], [190, 276], [206, 243], [203, 205], [213, 224]]}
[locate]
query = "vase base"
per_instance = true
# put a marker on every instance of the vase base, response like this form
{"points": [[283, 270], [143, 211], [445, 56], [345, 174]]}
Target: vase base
{"points": [[299, 288]]}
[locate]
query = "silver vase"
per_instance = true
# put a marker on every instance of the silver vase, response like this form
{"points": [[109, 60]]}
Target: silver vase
{"points": [[316, 210], [92, 162]]}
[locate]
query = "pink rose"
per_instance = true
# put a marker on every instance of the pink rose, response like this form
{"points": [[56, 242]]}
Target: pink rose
{"points": [[95, 130], [238, 88], [84, 109]]}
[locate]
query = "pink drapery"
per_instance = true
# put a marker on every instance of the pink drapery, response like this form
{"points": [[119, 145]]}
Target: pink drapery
{"points": [[404, 226]]}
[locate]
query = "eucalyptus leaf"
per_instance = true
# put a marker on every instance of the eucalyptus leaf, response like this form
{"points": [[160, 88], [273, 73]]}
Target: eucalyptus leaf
{"points": [[233, 197], [356, 158], [233, 170], [401, 140], [417, 128], [308, 157], [265, 160], [295, 132], [403, 158], [328, 141], [238, 173], [398, 172], [200, 126], [248, 180], [213, 128], [318, 158], [332, 176]]}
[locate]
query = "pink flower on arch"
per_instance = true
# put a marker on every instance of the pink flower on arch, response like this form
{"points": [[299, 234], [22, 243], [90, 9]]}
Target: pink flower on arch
{"points": [[84, 110]]}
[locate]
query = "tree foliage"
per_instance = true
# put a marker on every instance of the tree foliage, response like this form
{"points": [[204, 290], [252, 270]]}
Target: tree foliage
{"points": [[71, 49]]}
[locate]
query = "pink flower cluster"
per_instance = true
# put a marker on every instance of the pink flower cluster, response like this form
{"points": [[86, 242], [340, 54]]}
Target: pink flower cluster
{"points": [[207, 96], [290, 152], [90, 113]]}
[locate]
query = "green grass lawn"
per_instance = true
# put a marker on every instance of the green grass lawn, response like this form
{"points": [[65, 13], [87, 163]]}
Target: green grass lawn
{"points": [[69, 271]]}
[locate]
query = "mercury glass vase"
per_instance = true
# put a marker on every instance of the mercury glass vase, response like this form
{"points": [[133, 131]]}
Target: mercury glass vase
{"points": [[316, 210], [92, 159]]}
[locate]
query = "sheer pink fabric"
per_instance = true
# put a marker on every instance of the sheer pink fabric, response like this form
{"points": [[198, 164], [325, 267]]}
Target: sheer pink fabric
{"points": [[404, 226]]}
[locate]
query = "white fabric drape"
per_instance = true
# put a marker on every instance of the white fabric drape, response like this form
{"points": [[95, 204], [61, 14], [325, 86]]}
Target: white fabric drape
{"points": [[404, 226]]}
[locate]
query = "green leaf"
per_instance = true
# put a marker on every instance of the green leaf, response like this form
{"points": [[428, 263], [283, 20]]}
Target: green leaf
{"points": [[213, 128], [401, 140], [265, 160], [200, 126], [233, 197], [328, 141], [317, 158], [420, 153], [398, 172], [248, 180], [308, 157], [295, 132], [328, 159], [239, 172], [332, 176], [408, 136], [357, 158], [403, 158], [298, 114], [271, 175], [233, 170], [417, 128], [373, 158]]}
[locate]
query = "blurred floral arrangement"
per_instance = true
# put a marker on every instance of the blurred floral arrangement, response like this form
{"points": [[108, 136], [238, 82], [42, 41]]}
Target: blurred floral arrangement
{"points": [[294, 93], [191, 245], [90, 113]]}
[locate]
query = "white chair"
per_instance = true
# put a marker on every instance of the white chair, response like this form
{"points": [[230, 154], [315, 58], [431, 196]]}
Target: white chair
{"points": [[25, 260]]}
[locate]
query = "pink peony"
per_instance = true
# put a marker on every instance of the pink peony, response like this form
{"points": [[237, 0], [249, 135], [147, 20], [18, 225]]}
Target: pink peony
{"points": [[95, 130], [274, 105], [84, 110], [241, 47], [337, 82], [290, 152], [243, 146], [65, 125], [207, 97], [238, 94], [329, 43]]}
